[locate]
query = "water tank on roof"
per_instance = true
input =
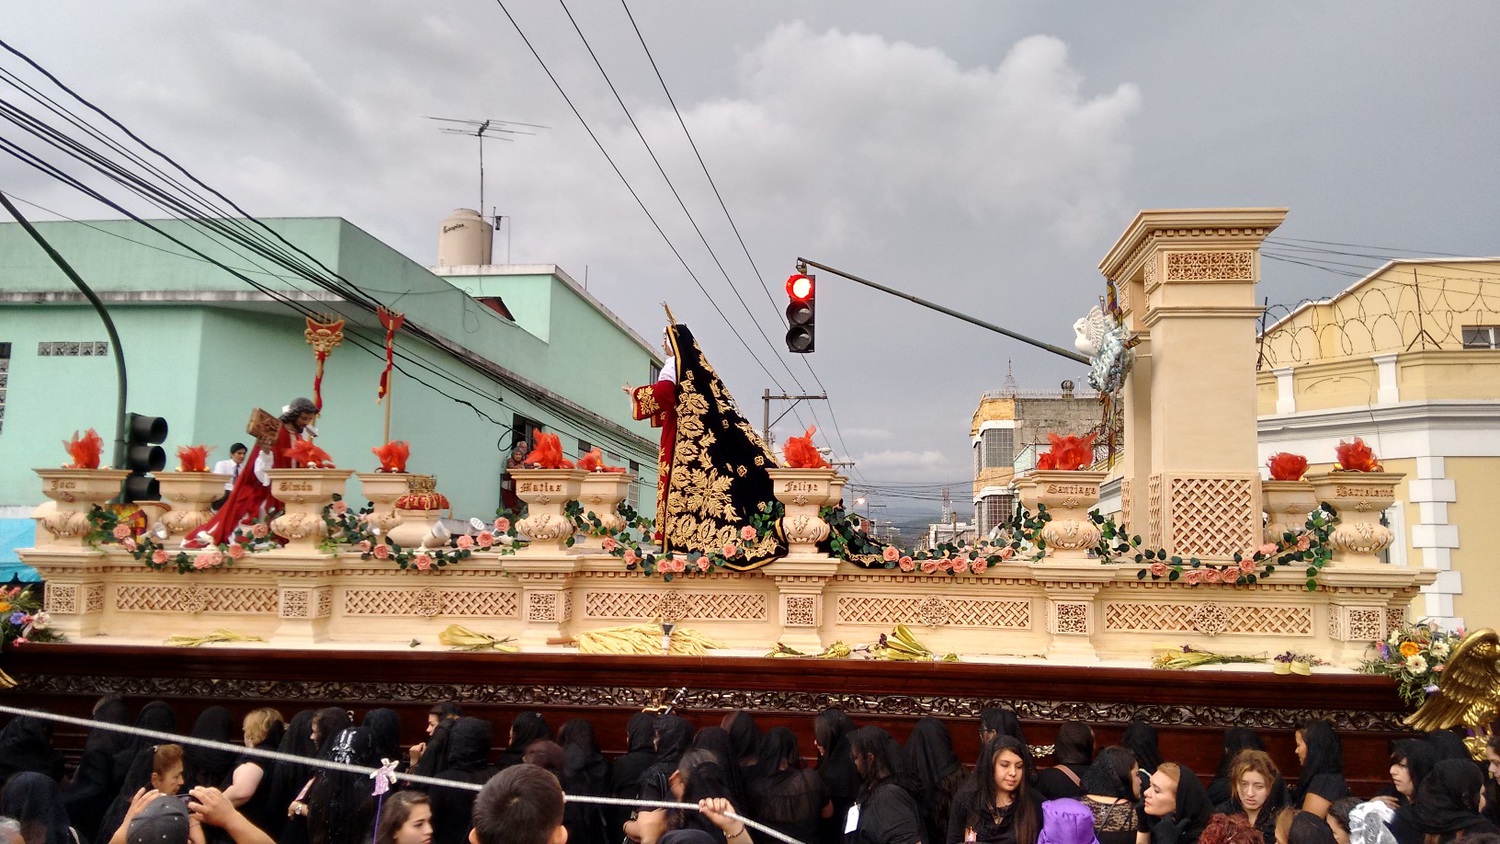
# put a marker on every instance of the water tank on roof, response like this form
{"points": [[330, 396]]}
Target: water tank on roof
{"points": [[465, 239]]}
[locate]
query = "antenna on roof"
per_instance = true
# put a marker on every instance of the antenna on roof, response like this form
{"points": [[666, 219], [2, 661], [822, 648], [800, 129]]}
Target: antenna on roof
{"points": [[489, 128]]}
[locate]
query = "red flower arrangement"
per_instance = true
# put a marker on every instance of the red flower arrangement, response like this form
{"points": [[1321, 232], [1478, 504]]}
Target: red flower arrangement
{"points": [[84, 450], [800, 453], [594, 462], [192, 458], [1287, 467], [547, 454], [393, 456], [1069, 453], [1357, 457]]}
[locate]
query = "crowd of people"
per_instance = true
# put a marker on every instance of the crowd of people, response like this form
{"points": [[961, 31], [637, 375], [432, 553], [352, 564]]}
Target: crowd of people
{"points": [[864, 788]]}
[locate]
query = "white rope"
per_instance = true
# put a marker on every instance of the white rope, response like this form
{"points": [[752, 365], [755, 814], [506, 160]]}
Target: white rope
{"points": [[329, 764]]}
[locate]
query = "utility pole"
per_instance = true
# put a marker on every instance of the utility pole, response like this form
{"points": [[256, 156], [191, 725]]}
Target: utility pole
{"points": [[767, 422]]}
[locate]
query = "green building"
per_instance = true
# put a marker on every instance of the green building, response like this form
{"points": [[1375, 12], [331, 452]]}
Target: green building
{"points": [[511, 349]]}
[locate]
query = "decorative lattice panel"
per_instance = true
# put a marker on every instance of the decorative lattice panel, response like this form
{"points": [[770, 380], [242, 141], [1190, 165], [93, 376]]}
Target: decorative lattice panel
{"points": [[193, 598], [800, 611], [94, 598], [1154, 502], [1070, 617], [541, 607], [697, 606], [1186, 618], [1394, 617], [1126, 493], [62, 598], [1210, 266], [1366, 624], [1213, 517], [957, 612], [493, 603]]}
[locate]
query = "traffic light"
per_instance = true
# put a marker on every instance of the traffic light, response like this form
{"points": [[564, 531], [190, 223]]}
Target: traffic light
{"points": [[800, 311], [144, 454]]}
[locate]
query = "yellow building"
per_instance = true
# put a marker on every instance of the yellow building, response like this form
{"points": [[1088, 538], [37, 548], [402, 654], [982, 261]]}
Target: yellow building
{"points": [[1408, 358]]}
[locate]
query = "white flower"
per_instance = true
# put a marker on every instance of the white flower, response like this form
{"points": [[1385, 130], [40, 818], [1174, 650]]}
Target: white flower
{"points": [[1439, 649], [41, 621], [1416, 664], [1394, 639]]}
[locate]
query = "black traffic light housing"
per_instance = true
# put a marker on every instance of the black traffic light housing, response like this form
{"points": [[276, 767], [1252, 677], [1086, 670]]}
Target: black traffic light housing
{"points": [[143, 455], [801, 311]]}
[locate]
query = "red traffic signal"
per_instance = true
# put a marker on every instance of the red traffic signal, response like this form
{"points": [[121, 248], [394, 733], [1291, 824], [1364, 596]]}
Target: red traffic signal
{"points": [[799, 313], [800, 287]]}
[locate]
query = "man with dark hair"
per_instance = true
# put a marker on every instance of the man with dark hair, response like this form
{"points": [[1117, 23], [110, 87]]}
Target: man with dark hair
{"points": [[230, 467], [522, 804]]}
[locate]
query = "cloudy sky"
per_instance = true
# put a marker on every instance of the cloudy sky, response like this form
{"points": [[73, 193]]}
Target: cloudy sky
{"points": [[981, 154]]}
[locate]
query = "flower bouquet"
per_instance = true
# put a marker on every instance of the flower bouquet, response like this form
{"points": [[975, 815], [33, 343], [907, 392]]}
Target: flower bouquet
{"points": [[22, 620], [1413, 655]]}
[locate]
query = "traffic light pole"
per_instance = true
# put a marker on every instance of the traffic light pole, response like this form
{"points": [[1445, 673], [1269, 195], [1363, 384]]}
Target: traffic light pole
{"points": [[803, 264], [109, 325]]}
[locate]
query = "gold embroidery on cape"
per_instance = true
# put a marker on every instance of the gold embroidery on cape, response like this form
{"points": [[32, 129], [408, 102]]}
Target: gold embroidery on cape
{"points": [[697, 495], [646, 398]]}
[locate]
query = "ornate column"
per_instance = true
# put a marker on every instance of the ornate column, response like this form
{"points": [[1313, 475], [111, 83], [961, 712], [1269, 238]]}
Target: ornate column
{"points": [[305, 492], [75, 595], [546, 594], [1189, 277], [304, 594], [803, 574]]}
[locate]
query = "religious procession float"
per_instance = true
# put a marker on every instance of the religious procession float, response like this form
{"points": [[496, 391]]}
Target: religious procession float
{"points": [[750, 586]]}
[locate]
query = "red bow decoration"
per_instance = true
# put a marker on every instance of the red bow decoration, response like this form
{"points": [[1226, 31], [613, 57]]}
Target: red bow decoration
{"points": [[392, 322], [594, 462], [192, 458], [393, 455], [548, 453], [84, 450], [1285, 466], [800, 453], [1069, 453]]}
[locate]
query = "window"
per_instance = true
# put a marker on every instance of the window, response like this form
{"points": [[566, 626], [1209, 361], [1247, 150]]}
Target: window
{"points": [[978, 458], [655, 374], [584, 447], [999, 447], [993, 510], [523, 431], [1482, 337], [633, 495]]}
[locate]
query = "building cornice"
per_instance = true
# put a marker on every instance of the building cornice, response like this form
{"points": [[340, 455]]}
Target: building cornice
{"points": [[1475, 414]]}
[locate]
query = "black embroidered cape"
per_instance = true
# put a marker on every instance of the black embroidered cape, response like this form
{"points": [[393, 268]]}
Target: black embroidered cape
{"points": [[718, 476]]}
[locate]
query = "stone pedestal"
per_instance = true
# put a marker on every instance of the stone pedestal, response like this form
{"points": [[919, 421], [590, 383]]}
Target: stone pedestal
{"points": [[1360, 498], [1287, 504], [1072, 616], [799, 597], [382, 489], [1068, 497], [803, 492], [76, 491], [190, 494], [546, 594], [304, 492], [547, 493], [304, 593], [75, 588], [601, 494]]}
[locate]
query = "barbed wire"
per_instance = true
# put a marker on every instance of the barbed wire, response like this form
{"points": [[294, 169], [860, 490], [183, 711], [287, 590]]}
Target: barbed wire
{"points": [[329, 764], [1386, 314]]}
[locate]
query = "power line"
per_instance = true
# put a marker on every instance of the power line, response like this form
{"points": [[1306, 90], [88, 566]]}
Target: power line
{"points": [[734, 227], [633, 194]]}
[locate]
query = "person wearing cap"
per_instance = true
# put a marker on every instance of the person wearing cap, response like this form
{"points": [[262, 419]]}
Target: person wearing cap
{"points": [[156, 818]]}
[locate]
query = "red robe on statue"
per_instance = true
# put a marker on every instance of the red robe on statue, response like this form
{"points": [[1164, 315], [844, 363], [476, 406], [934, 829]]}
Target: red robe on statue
{"points": [[658, 402], [249, 497]]}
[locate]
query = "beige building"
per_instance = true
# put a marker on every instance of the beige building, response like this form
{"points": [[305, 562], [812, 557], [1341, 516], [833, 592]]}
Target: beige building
{"points": [[1009, 429], [1407, 358]]}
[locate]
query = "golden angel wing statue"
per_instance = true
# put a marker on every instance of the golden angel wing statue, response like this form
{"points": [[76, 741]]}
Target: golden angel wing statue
{"points": [[1468, 692]]}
